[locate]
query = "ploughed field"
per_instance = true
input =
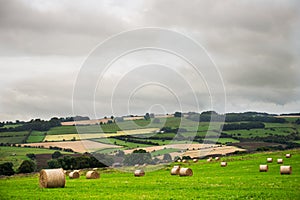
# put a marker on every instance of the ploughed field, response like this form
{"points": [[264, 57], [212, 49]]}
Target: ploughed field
{"points": [[241, 179]]}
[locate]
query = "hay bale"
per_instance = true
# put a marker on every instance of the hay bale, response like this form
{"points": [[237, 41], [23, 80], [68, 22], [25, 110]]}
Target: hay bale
{"points": [[175, 170], [77, 170], [217, 158], [136, 165], [288, 155], [95, 169], [269, 160], [279, 161], [179, 160], [195, 160], [185, 172], [263, 168], [209, 160], [223, 164], [52, 178], [92, 175], [139, 172], [184, 161], [74, 174], [285, 170]]}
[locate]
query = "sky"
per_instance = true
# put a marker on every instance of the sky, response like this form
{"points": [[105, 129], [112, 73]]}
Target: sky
{"points": [[249, 59]]}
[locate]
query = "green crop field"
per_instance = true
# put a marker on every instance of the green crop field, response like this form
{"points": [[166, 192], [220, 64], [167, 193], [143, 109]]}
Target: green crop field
{"points": [[36, 136], [241, 179]]}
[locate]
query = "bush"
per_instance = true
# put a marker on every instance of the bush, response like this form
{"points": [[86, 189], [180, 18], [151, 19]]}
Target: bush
{"points": [[138, 157], [56, 154], [27, 166], [7, 169], [31, 156]]}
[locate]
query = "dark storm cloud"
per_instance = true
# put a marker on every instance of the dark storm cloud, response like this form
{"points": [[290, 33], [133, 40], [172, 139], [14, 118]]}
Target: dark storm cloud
{"points": [[254, 43]]}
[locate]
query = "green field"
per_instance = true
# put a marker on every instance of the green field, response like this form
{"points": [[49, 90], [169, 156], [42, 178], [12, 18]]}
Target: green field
{"points": [[239, 180], [17, 154], [261, 132], [36, 136]]}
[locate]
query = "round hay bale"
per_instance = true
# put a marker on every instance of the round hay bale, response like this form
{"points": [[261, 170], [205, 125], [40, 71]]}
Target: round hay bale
{"points": [[285, 170], [217, 158], [178, 160], [92, 175], [195, 160], [263, 168], [52, 178], [279, 161], [269, 160], [74, 174], [77, 170], [209, 160], [175, 170], [95, 169], [185, 172], [288, 155], [223, 164], [184, 161], [136, 165], [139, 172]]}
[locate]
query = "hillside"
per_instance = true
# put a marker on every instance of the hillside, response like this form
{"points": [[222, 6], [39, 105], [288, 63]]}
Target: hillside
{"points": [[241, 179]]}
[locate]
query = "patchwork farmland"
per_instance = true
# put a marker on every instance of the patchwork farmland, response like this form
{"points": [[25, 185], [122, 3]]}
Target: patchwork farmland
{"points": [[155, 145]]}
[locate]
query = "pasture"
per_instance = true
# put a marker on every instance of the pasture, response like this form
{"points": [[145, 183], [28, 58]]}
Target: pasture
{"points": [[241, 179]]}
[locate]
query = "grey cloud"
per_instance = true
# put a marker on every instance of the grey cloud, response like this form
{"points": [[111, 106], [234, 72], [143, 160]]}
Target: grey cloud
{"points": [[254, 43]]}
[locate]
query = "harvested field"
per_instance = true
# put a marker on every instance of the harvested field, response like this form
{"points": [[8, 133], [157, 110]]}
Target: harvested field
{"points": [[174, 146], [77, 146], [86, 136], [85, 122]]}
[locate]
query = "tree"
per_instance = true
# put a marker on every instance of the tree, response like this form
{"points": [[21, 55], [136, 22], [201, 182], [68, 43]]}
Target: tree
{"points": [[167, 157], [120, 153], [178, 114], [31, 156], [147, 116], [27, 166], [139, 156], [54, 164], [56, 154], [7, 169]]}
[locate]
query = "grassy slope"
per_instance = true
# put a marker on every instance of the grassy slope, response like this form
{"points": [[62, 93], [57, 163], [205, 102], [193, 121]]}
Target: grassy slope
{"points": [[239, 180]]}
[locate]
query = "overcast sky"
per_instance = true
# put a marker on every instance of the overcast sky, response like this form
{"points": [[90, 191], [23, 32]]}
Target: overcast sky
{"points": [[44, 44]]}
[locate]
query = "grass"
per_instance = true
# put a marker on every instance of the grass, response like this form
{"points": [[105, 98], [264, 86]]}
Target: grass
{"points": [[62, 130], [17, 154], [120, 142], [223, 140], [36, 136], [239, 180], [261, 132]]}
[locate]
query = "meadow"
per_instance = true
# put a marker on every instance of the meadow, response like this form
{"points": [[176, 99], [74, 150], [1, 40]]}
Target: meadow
{"points": [[241, 179]]}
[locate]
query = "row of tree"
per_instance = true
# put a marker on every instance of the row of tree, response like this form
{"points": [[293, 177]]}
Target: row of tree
{"points": [[27, 166], [36, 124]]}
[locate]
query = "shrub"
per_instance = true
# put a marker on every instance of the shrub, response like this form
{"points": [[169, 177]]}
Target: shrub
{"points": [[27, 166], [56, 154], [7, 169]]}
